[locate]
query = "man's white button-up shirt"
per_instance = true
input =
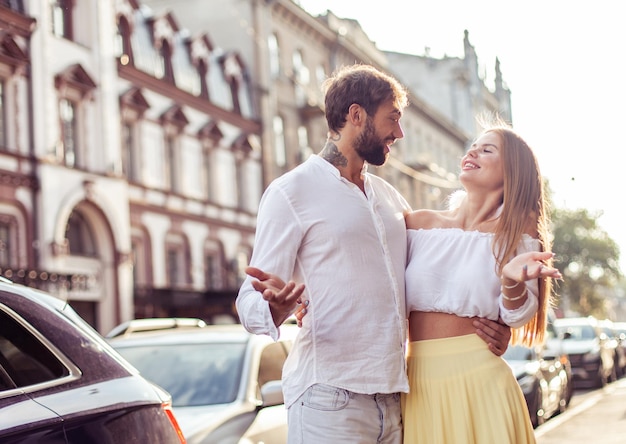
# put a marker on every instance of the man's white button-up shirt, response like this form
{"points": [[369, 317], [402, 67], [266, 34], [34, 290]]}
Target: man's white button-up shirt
{"points": [[349, 249]]}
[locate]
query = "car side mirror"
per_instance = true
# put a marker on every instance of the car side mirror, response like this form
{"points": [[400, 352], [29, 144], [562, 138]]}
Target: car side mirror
{"points": [[567, 335], [272, 394]]}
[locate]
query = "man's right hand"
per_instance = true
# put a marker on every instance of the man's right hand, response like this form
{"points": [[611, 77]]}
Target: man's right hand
{"points": [[282, 297]]}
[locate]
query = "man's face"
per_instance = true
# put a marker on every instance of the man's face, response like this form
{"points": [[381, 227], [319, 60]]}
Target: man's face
{"points": [[369, 145]]}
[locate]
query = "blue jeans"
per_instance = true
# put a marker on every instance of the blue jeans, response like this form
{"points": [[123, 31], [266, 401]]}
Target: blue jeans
{"points": [[329, 415]]}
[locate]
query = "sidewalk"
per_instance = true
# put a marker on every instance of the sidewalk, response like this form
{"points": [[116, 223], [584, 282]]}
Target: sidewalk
{"points": [[600, 419]]}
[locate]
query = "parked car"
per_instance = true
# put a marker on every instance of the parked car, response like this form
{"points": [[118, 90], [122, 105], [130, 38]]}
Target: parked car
{"points": [[620, 331], [614, 342], [543, 379], [589, 349], [225, 382], [60, 382], [554, 349]]}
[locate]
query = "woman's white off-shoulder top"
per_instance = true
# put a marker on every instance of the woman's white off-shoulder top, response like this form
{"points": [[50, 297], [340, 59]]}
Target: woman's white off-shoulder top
{"points": [[454, 271]]}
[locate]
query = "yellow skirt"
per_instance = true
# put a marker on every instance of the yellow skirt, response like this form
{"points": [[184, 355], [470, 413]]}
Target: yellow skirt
{"points": [[461, 393]]}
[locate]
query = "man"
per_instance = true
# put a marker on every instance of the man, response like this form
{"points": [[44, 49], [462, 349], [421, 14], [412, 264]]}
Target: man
{"points": [[340, 231]]}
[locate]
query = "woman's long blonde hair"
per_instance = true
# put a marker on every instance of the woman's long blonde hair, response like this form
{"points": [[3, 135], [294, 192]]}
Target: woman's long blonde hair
{"points": [[524, 210]]}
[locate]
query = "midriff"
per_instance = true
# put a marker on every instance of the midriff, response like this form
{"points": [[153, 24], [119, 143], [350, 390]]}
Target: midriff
{"points": [[431, 325]]}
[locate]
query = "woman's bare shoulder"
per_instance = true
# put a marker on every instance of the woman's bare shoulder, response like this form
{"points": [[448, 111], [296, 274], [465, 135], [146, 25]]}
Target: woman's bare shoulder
{"points": [[427, 219]]}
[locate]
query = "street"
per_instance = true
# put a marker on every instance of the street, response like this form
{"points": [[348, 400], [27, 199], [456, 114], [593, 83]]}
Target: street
{"points": [[593, 417]]}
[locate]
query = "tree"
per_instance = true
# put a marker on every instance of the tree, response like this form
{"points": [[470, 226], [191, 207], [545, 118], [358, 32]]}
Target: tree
{"points": [[588, 259]]}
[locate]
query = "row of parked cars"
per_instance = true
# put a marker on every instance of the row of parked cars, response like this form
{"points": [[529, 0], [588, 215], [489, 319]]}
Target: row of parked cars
{"points": [[182, 381], [581, 352], [596, 349]]}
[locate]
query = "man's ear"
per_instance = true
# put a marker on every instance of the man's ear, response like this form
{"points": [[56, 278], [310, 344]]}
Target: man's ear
{"points": [[356, 114]]}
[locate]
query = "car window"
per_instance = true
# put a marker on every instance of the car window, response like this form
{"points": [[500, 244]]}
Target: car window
{"points": [[23, 358], [271, 364], [580, 332], [194, 374]]}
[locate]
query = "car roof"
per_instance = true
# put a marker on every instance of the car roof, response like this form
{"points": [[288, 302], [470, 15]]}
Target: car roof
{"points": [[215, 333], [32, 294], [153, 324], [590, 320]]}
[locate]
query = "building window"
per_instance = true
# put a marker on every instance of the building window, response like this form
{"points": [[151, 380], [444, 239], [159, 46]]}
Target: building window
{"points": [[176, 257], [213, 266], [133, 105], [232, 73], [210, 135], [301, 78], [75, 88], [166, 61], [172, 154], [62, 18], [241, 263], [5, 244], [3, 137], [80, 237], [16, 5], [303, 144], [123, 43], [203, 71], [173, 121], [67, 114], [274, 56], [280, 155], [207, 154], [129, 166]]}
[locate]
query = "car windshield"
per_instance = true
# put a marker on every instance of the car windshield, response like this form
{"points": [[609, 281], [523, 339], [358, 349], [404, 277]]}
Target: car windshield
{"points": [[517, 353], [579, 332], [194, 374]]}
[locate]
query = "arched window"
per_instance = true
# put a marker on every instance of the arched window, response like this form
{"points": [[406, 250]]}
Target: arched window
{"points": [[166, 60], [280, 155], [124, 47], [79, 235], [274, 55]]}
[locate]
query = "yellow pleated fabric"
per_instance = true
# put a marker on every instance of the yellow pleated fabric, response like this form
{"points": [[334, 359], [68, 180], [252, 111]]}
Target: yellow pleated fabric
{"points": [[461, 393]]}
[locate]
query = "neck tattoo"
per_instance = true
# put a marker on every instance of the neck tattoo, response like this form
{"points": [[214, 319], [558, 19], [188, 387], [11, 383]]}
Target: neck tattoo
{"points": [[332, 155]]}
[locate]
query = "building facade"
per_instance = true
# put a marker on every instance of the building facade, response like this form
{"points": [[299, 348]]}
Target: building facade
{"points": [[130, 160], [136, 139]]}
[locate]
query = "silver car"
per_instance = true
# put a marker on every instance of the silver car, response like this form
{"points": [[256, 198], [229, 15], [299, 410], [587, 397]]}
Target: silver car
{"points": [[225, 382]]}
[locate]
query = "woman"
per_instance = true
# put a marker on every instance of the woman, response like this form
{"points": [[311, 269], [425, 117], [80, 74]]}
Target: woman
{"points": [[487, 256]]}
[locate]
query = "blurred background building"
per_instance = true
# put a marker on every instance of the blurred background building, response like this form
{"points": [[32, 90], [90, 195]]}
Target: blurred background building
{"points": [[136, 139]]}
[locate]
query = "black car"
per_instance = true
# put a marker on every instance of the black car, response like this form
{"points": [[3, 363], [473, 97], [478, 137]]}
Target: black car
{"points": [[60, 382], [590, 350], [543, 378]]}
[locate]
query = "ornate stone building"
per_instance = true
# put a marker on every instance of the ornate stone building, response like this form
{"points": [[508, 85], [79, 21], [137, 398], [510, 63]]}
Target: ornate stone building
{"points": [[136, 139], [130, 160]]}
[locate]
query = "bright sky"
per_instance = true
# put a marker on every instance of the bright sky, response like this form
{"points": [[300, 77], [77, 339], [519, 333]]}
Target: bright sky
{"points": [[564, 65]]}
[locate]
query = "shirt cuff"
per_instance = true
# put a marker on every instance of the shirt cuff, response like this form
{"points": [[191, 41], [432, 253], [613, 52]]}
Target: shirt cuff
{"points": [[518, 317]]}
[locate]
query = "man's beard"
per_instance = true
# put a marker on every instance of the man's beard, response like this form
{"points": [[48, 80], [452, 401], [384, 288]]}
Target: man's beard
{"points": [[369, 146]]}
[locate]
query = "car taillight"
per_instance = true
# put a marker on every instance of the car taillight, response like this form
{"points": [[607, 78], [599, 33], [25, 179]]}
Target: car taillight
{"points": [[167, 408]]}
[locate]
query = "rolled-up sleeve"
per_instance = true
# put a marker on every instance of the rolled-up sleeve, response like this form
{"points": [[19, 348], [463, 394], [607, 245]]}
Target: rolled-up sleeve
{"points": [[277, 239]]}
